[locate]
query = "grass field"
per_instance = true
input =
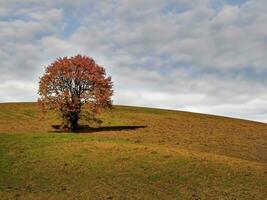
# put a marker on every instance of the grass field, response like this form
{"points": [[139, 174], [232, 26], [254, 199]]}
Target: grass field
{"points": [[137, 153]]}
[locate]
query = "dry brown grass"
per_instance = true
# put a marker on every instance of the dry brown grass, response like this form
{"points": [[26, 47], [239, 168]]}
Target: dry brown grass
{"points": [[232, 137], [178, 155]]}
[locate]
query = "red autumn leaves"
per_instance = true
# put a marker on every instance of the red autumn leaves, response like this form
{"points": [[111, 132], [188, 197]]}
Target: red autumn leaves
{"points": [[70, 84]]}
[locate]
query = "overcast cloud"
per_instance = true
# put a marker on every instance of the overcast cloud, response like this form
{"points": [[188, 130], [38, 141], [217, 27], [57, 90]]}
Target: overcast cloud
{"points": [[205, 56]]}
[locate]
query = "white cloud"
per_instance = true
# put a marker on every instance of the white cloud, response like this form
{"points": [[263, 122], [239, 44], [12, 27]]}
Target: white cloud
{"points": [[177, 54], [10, 90], [229, 14], [53, 15]]}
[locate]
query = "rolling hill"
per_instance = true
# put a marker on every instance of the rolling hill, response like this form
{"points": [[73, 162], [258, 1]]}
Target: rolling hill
{"points": [[137, 153]]}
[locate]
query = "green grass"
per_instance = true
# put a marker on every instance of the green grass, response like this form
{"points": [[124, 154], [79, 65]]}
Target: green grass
{"points": [[179, 155]]}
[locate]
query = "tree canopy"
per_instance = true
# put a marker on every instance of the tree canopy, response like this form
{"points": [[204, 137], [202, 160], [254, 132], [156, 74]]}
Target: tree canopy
{"points": [[70, 84]]}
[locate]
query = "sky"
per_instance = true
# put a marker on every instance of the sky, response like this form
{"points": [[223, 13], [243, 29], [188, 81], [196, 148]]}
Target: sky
{"points": [[207, 56]]}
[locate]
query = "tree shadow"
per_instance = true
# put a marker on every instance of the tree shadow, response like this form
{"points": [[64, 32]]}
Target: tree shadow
{"points": [[88, 129]]}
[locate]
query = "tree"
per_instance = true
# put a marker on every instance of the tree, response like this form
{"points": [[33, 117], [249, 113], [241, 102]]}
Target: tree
{"points": [[70, 84]]}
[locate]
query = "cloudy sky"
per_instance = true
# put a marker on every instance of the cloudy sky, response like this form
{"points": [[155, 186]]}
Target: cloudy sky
{"points": [[205, 56]]}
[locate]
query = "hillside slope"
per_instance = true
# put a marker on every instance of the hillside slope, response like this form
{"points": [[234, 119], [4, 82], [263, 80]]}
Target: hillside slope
{"points": [[141, 153]]}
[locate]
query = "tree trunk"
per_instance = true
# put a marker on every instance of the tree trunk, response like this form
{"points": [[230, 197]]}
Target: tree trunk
{"points": [[74, 117]]}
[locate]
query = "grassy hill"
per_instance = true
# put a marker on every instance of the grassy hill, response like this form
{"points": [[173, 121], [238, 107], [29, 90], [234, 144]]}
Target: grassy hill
{"points": [[137, 153]]}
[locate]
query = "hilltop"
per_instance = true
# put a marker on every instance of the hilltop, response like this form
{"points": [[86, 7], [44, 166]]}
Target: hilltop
{"points": [[138, 153]]}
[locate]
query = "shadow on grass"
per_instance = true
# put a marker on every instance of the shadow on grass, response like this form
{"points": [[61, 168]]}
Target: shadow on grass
{"points": [[88, 129]]}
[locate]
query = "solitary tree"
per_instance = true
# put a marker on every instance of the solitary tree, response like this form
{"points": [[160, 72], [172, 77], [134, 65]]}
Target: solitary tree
{"points": [[70, 84]]}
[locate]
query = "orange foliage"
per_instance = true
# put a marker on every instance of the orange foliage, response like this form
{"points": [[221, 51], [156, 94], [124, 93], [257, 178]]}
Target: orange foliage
{"points": [[71, 83]]}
